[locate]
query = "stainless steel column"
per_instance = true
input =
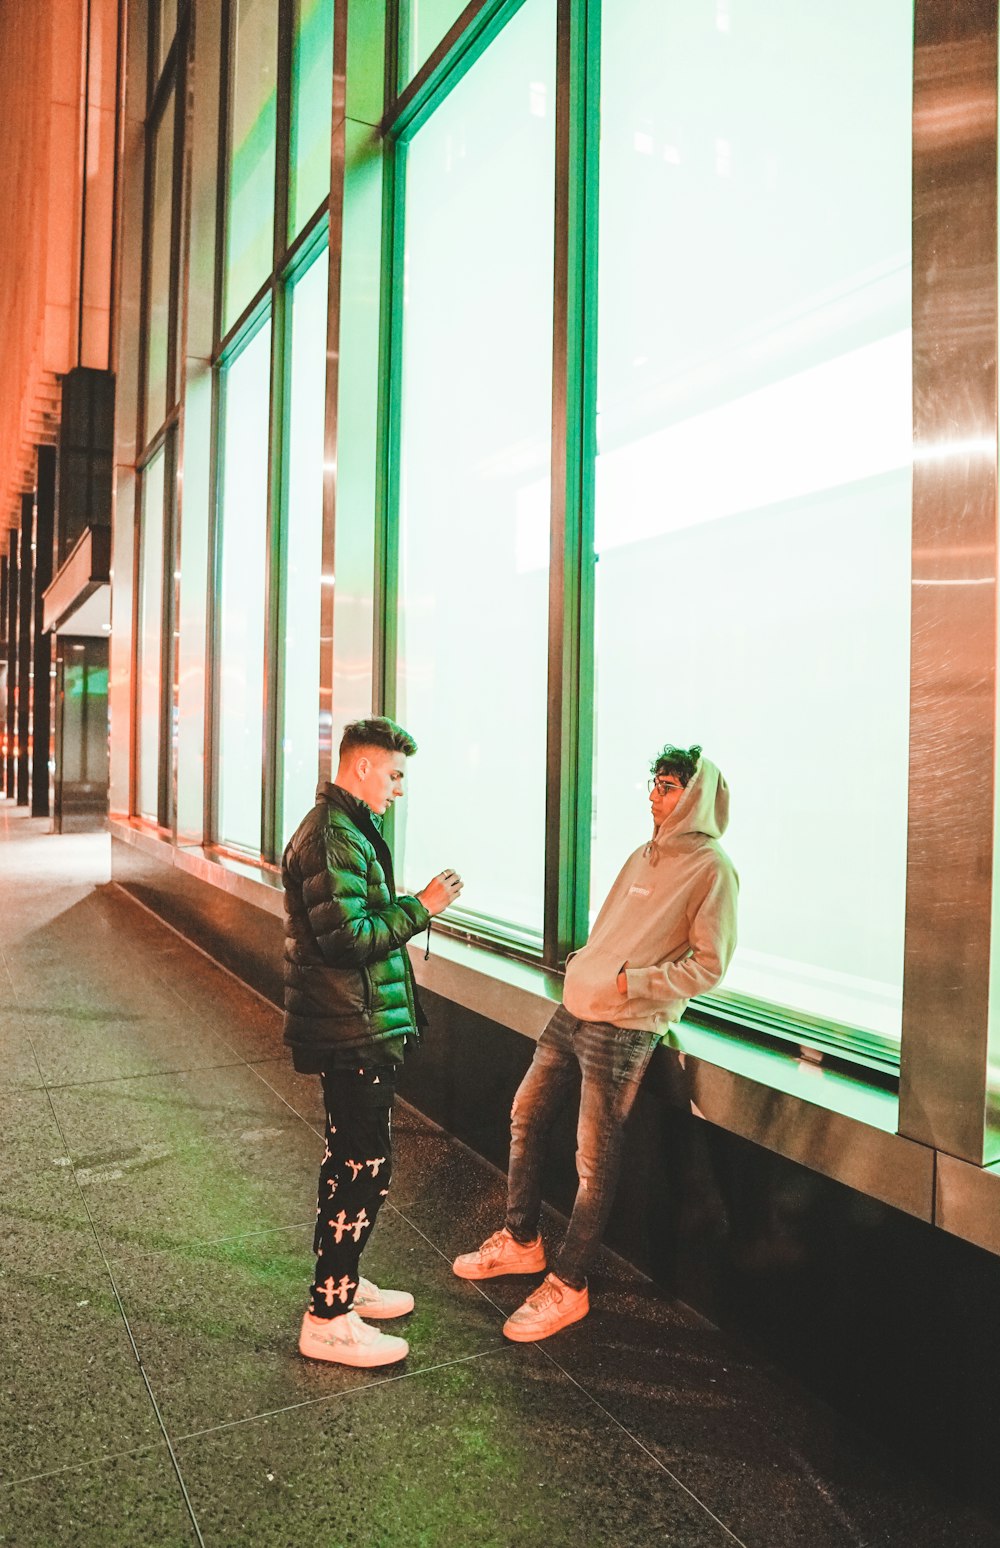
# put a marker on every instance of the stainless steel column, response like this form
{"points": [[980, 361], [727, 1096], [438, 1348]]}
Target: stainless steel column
{"points": [[952, 878]]}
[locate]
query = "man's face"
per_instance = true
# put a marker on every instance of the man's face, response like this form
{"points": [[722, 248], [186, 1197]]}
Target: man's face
{"points": [[664, 796], [383, 778]]}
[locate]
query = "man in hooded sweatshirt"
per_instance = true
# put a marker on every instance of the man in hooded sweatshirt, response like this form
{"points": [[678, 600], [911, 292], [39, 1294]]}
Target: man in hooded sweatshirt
{"points": [[666, 932]]}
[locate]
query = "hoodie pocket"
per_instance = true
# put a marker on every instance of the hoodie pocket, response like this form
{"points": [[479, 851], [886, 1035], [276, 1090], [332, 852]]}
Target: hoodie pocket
{"points": [[590, 989]]}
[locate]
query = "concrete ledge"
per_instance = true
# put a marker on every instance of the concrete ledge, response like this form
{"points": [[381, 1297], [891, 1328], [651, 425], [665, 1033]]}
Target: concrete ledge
{"points": [[256, 885]]}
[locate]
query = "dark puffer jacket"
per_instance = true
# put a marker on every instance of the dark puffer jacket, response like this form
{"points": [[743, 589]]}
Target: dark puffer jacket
{"points": [[348, 982]]}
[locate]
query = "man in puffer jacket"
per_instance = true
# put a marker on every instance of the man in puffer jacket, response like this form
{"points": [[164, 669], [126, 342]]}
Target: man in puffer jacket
{"points": [[350, 1008], [666, 932]]}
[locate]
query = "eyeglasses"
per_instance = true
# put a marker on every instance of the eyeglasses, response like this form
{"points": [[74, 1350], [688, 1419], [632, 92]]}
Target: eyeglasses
{"points": [[663, 784]]}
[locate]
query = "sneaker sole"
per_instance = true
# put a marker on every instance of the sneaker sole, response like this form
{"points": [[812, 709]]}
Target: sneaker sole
{"points": [[525, 1336], [366, 1362], [497, 1271]]}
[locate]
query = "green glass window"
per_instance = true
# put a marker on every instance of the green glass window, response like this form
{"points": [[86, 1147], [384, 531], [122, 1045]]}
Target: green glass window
{"points": [[311, 111], [158, 272], [250, 186], [474, 475], [422, 25], [150, 637], [303, 510], [241, 590], [753, 477]]}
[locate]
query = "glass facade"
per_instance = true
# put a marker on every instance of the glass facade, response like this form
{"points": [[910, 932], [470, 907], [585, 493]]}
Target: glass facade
{"points": [[242, 592], [382, 486], [475, 448], [303, 544], [158, 300], [252, 124], [754, 469], [150, 641], [422, 25], [311, 111]]}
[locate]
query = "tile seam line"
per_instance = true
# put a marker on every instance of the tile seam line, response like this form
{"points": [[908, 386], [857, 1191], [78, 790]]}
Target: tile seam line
{"points": [[595, 1402], [80, 1467], [218, 1241], [135, 1348], [644, 1448], [334, 1397]]}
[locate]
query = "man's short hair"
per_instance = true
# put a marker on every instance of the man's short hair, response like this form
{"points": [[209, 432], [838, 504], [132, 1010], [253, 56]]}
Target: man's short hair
{"points": [[377, 731], [679, 761]]}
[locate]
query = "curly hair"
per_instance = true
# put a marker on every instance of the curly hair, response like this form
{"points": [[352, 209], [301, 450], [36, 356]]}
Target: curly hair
{"points": [[679, 761]]}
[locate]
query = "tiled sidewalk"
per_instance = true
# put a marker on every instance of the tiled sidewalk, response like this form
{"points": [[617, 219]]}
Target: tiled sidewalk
{"points": [[158, 1161]]}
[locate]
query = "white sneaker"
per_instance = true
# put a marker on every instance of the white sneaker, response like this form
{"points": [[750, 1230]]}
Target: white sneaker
{"points": [[346, 1340], [370, 1301]]}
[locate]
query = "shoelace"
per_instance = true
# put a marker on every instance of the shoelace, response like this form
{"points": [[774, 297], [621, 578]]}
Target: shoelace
{"points": [[544, 1296], [494, 1243]]}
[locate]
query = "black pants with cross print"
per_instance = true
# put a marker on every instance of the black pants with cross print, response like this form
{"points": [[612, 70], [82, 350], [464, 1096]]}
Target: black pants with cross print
{"points": [[353, 1179]]}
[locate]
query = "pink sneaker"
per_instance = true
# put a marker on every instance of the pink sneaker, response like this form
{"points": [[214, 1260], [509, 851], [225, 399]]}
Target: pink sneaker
{"points": [[370, 1301], [501, 1253], [346, 1340], [552, 1306]]}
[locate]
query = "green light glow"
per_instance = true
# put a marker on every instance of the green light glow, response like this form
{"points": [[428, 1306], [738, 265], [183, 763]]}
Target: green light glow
{"points": [[249, 228], [753, 476], [311, 111], [475, 469]]}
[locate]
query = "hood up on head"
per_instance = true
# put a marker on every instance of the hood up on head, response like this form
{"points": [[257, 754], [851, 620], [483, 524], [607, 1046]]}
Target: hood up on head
{"points": [[702, 809]]}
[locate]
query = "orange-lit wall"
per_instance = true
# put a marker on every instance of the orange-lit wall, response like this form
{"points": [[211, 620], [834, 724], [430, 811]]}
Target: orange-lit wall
{"points": [[58, 89]]}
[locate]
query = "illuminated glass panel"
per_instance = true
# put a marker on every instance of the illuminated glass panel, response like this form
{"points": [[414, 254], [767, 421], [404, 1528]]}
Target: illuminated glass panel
{"points": [[150, 636], [474, 474], [242, 593], [422, 25], [250, 223], [303, 545], [167, 28], [158, 277], [311, 111], [753, 479]]}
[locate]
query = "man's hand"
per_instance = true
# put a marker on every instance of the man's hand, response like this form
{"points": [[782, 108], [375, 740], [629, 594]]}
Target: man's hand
{"points": [[444, 889]]}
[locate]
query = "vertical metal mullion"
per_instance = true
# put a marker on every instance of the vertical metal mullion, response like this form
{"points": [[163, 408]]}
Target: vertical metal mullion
{"points": [[950, 988], [283, 129], [274, 579], [173, 515], [167, 625], [387, 481], [176, 198], [338, 154], [213, 620], [227, 51], [569, 749], [273, 587]]}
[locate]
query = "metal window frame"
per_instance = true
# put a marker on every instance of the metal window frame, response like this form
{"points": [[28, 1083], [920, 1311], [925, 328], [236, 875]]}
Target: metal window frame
{"points": [[569, 749]]}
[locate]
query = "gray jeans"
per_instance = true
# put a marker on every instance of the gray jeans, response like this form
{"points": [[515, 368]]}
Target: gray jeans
{"points": [[611, 1061]]}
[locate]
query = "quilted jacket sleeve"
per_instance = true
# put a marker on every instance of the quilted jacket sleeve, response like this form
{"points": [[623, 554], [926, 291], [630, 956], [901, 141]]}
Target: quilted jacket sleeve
{"points": [[352, 918]]}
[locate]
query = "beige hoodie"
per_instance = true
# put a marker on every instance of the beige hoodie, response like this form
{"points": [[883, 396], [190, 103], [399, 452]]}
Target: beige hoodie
{"points": [[671, 915]]}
